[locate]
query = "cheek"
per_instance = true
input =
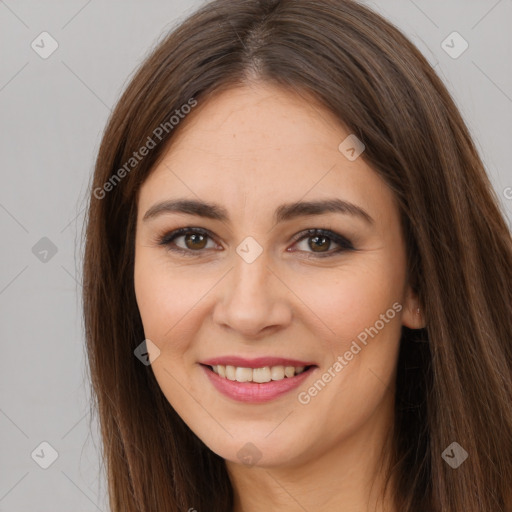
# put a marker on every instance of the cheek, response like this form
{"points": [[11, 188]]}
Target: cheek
{"points": [[348, 300], [361, 308], [172, 302], [166, 298], [163, 297]]}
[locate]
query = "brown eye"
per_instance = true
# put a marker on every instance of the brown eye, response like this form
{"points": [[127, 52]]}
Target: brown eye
{"points": [[195, 241], [188, 241], [319, 243]]}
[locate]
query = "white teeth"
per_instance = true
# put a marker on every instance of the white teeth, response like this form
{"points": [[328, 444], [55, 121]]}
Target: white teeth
{"points": [[289, 371], [230, 372], [243, 374], [260, 375], [277, 372]]}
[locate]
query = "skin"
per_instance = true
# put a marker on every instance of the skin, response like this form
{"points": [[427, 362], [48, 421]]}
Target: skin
{"points": [[251, 149]]}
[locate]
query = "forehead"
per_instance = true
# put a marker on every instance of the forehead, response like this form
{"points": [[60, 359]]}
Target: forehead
{"points": [[258, 121], [257, 145]]}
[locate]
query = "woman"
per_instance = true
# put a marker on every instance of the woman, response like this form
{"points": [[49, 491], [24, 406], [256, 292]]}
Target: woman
{"points": [[297, 278]]}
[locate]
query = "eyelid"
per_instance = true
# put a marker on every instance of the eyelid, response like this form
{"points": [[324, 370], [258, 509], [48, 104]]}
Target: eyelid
{"points": [[169, 237], [343, 242]]}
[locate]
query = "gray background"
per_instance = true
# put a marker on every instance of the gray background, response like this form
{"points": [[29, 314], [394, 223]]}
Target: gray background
{"points": [[53, 112]]}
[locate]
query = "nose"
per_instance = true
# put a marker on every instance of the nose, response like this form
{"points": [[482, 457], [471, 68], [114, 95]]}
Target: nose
{"points": [[253, 301]]}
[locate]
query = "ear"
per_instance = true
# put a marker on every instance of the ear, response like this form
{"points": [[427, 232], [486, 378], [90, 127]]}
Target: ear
{"points": [[413, 315]]}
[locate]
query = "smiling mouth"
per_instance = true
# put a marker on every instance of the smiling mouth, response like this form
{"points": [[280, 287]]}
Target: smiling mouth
{"points": [[258, 375]]}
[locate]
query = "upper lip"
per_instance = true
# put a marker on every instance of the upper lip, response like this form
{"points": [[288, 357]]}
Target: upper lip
{"points": [[258, 362]]}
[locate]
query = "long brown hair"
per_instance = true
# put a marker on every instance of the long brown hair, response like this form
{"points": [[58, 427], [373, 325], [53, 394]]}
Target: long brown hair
{"points": [[454, 380]]}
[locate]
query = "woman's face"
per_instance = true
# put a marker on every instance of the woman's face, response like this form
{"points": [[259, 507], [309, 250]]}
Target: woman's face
{"points": [[249, 292]]}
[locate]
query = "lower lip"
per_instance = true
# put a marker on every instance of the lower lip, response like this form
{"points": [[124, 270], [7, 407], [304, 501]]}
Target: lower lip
{"points": [[254, 392]]}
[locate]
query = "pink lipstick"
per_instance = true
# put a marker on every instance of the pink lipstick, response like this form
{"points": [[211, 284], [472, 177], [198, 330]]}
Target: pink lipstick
{"points": [[256, 380]]}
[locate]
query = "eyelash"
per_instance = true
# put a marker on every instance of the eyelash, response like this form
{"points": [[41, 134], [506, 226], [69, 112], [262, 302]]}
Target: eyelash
{"points": [[344, 243]]}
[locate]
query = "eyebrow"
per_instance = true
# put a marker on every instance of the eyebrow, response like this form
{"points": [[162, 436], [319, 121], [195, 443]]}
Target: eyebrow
{"points": [[283, 213]]}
